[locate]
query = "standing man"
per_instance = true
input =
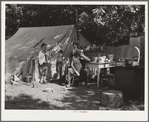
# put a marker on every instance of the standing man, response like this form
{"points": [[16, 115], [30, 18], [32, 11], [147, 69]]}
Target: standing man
{"points": [[75, 49], [43, 63], [84, 71]]}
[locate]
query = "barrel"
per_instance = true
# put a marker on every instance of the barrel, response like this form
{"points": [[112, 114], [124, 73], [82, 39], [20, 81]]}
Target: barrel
{"points": [[112, 98]]}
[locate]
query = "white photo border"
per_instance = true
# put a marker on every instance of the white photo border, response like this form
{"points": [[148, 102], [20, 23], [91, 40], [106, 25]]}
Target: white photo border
{"points": [[70, 115]]}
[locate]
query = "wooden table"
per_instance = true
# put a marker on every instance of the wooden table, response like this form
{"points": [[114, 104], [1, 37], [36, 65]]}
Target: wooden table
{"points": [[99, 66]]}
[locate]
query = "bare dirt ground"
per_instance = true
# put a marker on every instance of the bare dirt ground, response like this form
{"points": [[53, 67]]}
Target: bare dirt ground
{"points": [[52, 96]]}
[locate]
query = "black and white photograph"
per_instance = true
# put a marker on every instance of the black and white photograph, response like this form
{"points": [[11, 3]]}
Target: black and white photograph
{"points": [[68, 60]]}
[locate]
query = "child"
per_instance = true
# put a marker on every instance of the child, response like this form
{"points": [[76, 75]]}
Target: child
{"points": [[59, 64], [43, 63]]}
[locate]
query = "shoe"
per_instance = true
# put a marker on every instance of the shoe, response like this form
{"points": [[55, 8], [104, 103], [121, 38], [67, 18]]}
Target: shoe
{"points": [[68, 85], [45, 81], [83, 83], [63, 84]]}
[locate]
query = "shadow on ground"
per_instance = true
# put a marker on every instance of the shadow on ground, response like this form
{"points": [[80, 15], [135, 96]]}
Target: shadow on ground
{"points": [[74, 98], [24, 101], [81, 98]]}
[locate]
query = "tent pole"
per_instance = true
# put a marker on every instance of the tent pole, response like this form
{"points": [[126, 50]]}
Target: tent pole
{"points": [[76, 17], [77, 25]]}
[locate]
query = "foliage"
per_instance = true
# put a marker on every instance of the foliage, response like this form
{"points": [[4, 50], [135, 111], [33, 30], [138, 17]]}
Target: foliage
{"points": [[114, 23], [103, 24]]}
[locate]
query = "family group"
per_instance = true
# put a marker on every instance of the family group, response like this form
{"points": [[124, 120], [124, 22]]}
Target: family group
{"points": [[75, 66]]}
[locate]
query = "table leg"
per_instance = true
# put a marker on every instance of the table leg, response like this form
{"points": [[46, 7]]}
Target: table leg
{"points": [[88, 72], [98, 77]]}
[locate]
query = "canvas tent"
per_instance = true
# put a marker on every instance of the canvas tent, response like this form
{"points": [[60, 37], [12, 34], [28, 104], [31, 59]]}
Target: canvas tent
{"points": [[27, 41]]}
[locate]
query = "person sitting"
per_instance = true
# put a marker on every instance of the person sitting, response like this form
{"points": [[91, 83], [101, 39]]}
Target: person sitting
{"points": [[43, 63], [83, 59], [59, 64], [75, 68]]}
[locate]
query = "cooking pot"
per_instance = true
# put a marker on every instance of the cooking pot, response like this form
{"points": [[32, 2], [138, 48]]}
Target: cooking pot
{"points": [[133, 61], [129, 61]]}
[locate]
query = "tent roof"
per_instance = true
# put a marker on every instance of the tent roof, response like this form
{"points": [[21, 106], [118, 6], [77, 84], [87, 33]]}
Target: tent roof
{"points": [[27, 41]]}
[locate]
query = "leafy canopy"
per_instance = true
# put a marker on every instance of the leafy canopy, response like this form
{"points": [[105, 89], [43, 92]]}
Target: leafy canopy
{"points": [[101, 24]]}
